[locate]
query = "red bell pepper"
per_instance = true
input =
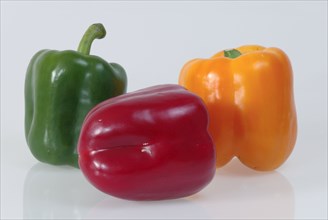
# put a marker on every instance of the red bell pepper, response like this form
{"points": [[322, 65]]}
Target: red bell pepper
{"points": [[151, 144]]}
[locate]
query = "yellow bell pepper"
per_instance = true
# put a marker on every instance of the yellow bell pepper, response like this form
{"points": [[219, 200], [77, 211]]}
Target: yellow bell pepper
{"points": [[248, 92]]}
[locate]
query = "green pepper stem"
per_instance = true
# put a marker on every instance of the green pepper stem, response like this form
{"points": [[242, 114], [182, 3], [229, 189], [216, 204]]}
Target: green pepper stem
{"points": [[95, 31], [233, 53]]}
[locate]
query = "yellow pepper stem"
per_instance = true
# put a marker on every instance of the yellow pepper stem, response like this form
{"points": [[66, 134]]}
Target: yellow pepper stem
{"points": [[233, 53]]}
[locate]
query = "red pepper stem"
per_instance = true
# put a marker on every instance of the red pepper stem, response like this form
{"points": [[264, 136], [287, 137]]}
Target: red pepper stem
{"points": [[233, 53], [95, 31]]}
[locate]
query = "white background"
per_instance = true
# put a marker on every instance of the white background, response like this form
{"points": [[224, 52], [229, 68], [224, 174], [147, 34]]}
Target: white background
{"points": [[152, 40]]}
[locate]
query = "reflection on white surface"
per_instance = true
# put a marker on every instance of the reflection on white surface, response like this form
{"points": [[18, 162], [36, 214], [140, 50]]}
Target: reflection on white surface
{"points": [[239, 192], [52, 192], [235, 192], [111, 208]]}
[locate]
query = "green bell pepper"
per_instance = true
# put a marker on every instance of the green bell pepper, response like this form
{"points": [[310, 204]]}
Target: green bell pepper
{"points": [[60, 89]]}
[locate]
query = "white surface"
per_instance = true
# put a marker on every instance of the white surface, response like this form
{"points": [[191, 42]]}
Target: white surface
{"points": [[152, 40]]}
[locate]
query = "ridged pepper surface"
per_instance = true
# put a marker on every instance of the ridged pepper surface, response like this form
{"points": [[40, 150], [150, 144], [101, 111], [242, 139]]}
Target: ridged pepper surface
{"points": [[248, 92], [60, 89], [151, 144]]}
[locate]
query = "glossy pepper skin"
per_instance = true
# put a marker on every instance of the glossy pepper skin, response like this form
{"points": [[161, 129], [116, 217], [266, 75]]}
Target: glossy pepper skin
{"points": [[151, 144], [61, 87], [251, 104]]}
